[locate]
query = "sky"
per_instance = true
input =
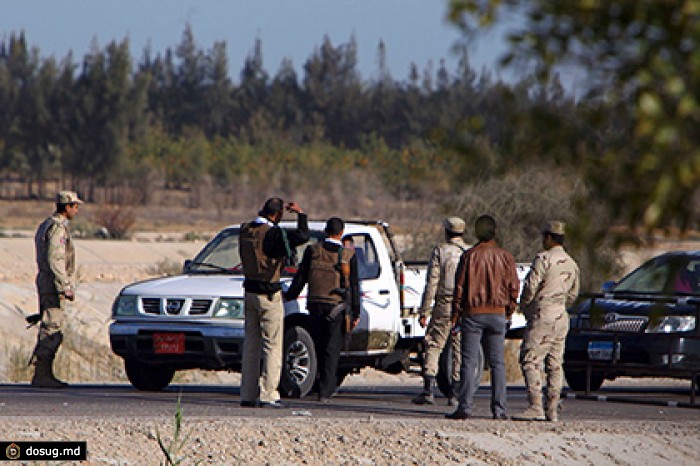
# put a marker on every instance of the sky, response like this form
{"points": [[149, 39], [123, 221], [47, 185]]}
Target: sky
{"points": [[412, 30]]}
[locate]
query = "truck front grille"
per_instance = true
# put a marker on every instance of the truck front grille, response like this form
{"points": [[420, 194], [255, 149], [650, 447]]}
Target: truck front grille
{"points": [[151, 305], [200, 306], [174, 306]]}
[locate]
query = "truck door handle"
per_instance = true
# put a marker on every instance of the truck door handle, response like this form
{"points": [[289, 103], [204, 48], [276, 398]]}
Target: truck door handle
{"points": [[383, 291]]}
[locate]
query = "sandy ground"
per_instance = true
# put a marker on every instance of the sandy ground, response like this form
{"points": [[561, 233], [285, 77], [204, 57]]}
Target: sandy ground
{"points": [[106, 266], [301, 440]]}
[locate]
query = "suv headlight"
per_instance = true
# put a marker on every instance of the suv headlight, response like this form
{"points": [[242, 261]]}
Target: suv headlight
{"points": [[125, 305], [671, 324], [229, 308]]}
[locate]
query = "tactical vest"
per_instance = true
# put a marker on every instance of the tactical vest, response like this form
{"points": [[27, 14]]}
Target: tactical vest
{"points": [[256, 264], [325, 273]]}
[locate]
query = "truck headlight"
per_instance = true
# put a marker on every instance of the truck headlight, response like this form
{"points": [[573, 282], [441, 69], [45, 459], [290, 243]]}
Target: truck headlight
{"points": [[229, 308], [671, 324], [125, 305]]}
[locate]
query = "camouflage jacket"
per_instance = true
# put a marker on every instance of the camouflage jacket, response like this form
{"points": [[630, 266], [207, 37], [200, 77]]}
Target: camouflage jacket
{"points": [[55, 256], [552, 283], [440, 278]]}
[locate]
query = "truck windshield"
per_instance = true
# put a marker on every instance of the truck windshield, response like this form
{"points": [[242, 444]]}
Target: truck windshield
{"points": [[221, 255], [664, 274]]}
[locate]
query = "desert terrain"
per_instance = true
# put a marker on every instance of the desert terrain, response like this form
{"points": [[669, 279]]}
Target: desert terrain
{"points": [[107, 265]]}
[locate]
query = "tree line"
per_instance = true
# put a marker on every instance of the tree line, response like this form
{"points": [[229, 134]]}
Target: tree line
{"points": [[178, 120]]}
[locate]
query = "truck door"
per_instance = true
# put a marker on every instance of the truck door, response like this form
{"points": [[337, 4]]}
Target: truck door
{"points": [[379, 299]]}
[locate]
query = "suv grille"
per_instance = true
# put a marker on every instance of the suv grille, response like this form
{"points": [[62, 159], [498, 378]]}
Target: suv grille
{"points": [[174, 306], [200, 306], [632, 325], [151, 305]]}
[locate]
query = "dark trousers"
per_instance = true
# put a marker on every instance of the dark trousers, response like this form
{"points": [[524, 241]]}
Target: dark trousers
{"points": [[328, 339], [491, 329]]}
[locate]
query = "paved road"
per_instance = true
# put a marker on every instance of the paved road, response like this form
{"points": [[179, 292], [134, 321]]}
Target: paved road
{"points": [[380, 401]]}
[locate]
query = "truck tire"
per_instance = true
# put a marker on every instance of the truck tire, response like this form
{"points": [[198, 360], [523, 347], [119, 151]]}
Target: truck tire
{"points": [[298, 363], [576, 378], [444, 375], [148, 377]]}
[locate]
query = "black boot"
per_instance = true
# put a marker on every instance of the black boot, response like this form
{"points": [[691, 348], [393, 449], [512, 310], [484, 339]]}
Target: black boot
{"points": [[426, 397], [44, 355]]}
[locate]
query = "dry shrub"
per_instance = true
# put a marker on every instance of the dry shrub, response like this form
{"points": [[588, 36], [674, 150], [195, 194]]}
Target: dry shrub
{"points": [[118, 219], [521, 203], [165, 268], [16, 364]]}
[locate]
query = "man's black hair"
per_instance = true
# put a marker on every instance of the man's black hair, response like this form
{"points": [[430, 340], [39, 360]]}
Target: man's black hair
{"points": [[452, 234], [559, 239], [61, 208], [334, 226], [485, 228], [271, 207]]}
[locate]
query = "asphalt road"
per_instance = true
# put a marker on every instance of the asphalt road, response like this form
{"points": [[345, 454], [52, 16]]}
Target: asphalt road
{"points": [[643, 403]]}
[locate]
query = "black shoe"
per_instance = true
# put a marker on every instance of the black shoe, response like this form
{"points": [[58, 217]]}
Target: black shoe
{"points": [[249, 404], [272, 404], [424, 399], [501, 417], [457, 415]]}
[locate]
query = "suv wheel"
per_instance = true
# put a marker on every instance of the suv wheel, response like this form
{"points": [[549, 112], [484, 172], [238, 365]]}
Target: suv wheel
{"points": [[576, 378], [298, 363], [148, 377]]}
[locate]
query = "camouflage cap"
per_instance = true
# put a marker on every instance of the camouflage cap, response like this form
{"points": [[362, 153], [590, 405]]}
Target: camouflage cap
{"points": [[555, 227], [68, 197], [454, 224]]}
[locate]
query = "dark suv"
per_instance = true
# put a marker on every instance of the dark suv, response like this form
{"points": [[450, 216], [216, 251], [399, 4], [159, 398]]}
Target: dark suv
{"points": [[646, 325]]}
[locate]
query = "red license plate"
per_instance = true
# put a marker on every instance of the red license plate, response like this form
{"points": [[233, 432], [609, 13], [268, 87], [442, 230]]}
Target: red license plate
{"points": [[169, 343]]}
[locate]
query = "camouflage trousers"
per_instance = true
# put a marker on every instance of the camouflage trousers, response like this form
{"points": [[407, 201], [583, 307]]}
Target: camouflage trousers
{"points": [[436, 335], [50, 334], [543, 343]]}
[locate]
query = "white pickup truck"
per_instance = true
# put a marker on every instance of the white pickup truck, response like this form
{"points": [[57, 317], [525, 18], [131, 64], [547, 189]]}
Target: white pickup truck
{"points": [[195, 320]]}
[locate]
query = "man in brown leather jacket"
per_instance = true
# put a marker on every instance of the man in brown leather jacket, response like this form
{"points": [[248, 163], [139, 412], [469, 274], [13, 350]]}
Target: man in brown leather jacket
{"points": [[485, 296]]}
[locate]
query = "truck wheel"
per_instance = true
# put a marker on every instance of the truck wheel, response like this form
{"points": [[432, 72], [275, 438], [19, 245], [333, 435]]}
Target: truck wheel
{"points": [[576, 378], [147, 377], [298, 363], [444, 375]]}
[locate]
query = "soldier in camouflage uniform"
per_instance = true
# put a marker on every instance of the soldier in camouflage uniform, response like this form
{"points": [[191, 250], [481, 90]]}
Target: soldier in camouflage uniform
{"points": [[551, 285], [55, 284], [438, 290]]}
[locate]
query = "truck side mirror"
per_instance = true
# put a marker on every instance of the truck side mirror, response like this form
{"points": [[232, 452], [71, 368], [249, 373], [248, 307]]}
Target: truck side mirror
{"points": [[186, 265], [607, 286]]}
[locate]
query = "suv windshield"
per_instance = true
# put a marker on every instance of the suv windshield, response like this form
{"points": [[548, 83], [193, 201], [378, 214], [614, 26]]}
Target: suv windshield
{"points": [[664, 274], [221, 255]]}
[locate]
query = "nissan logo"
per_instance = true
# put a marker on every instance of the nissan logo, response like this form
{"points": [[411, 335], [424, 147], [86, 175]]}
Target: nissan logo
{"points": [[610, 317], [173, 307]]}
